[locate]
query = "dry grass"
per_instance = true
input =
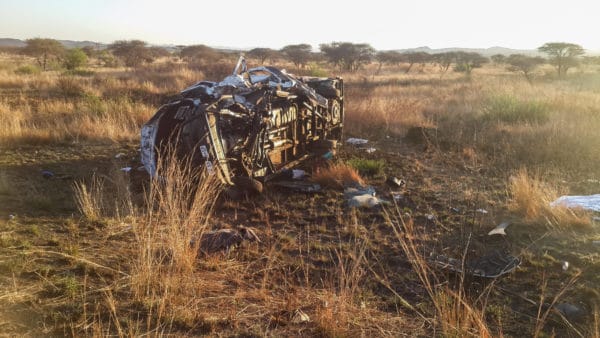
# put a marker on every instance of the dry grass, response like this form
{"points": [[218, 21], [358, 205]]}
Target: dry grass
{"points": [[455, 314], [337, 175], [531, 198]]}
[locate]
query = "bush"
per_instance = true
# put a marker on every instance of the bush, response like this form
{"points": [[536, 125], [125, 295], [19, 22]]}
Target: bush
{"points": [[75, 58], [315, 70], [367, 167], [509, 109], [28, 70]]}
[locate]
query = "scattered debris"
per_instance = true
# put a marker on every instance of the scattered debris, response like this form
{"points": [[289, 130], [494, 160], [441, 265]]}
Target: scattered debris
{"points": [[356, 141], [570, 311], [47, 174], [397, 196], [299, 186], [492, 265], [430, 217], [364, 201], [300, 317], [359, 190], [499, 229], [298, 174], [226, 239], [126, 169], [370, 150], [359, 196], [565, 265], [328, 155], [482, 211], [11, 217], [119, 155], [395, 182], [589, 202], [456, 210]]}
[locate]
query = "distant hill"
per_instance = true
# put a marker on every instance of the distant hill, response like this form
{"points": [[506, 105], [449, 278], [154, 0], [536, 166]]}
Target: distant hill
{"points": [[7, 42], [483, 51]]}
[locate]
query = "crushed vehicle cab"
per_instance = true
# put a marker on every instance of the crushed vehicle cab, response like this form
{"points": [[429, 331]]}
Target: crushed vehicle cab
{"points": [[248, 127]]}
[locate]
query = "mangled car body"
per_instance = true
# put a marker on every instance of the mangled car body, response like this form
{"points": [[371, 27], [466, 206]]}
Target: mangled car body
{"points": [[252, 125]]}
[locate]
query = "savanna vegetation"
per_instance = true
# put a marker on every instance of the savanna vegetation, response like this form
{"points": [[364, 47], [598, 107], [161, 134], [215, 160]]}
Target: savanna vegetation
{"points": [[90, 249]]}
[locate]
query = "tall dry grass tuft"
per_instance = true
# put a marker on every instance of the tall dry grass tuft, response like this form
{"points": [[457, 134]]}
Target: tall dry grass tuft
{"points": [[337, 175], [179, 208], [90, 198], [531, 198], [454, 313]]}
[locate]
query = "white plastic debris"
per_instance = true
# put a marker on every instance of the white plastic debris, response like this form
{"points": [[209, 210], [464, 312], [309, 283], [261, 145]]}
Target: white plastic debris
{"points": [[300, 317], [119, 155], [356, 141], [364, 201], [126, 169], [430, 217], [565, 266], [370, 150], [482, 211], [11, 217], [499, 229], [298, 174], [589, 202]]}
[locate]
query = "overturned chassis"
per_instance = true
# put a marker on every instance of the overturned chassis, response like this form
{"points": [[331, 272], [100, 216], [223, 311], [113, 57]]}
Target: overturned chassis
{"points": [[248, 127]]}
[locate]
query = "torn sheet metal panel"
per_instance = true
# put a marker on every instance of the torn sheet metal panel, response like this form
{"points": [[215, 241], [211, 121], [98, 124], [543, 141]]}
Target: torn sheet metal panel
{"points": [[254, 123]]}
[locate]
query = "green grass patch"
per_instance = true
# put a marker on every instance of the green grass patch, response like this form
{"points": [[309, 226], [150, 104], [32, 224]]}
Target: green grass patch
{"points": [[27, 70], [367, 167], [509, 109]]}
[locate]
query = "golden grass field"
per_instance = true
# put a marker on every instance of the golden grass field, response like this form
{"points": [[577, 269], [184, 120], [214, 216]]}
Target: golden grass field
{"points": [[94, 251]]}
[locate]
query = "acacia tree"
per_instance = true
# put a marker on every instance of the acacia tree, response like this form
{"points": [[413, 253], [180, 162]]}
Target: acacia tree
{"points": [[416, 57], [299, 54], [467, 61], [498, 58], [347, 55], [43, 50], [262, 54], [132, 52], [562, 55], [390, 57], [444, 61], [199, 52], [524, 64]]}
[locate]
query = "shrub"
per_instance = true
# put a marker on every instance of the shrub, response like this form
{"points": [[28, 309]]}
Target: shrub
{"points": [[28, 70], [367, 167], [509, 109], [75, 58]]}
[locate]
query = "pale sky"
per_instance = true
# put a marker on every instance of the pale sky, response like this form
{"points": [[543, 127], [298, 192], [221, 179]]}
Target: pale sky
{"points": [[520, 24]]}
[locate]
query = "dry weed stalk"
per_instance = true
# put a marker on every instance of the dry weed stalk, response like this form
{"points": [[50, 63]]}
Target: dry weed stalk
{"points": [[455, 314]]}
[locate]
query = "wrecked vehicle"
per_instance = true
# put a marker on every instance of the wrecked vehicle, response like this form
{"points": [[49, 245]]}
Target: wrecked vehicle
{"points": [[249, 127]]}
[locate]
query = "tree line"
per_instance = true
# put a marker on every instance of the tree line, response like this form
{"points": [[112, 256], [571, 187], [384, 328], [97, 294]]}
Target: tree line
{"points": [[345, 56]]}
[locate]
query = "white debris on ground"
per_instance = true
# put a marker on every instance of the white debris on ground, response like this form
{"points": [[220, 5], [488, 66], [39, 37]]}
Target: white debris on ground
{"points": [[499, 229], [589, 202], [370, 150], [356, 141], [361, 197]]}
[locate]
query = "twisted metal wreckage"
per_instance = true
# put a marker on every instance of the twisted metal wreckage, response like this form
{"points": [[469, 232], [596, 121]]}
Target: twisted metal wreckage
{"points": [[248, 127]]}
